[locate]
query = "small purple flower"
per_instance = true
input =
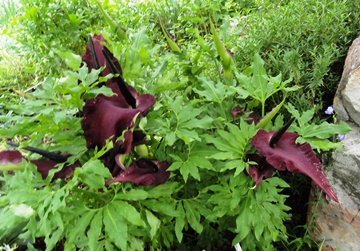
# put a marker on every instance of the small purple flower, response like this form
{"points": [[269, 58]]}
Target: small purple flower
{"points": [[341, 137], [329, 110]]}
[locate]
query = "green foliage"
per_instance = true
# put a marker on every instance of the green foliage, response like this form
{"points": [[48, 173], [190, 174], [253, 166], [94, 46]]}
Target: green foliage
{"points": [[8, 8], [259, 86], [209, 193], [42, 28], [232, 146], [317, 135], [50, 111], [306, 49]]}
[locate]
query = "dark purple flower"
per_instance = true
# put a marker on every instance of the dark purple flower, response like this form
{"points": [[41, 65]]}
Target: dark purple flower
{"points": [[236, 111], [112, 117], [252, 117], [106, 117], [44, 166], [94, 57], [121, 147], [144, 173], [296, 158], [12, 160]]}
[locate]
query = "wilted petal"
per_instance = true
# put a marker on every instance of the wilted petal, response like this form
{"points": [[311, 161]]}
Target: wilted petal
{"points": [[44, 166], [259, 174], [138, 138], [251, 118], [236, 111], [297, 158], [144, 173], [123, 147], [262, 171]]}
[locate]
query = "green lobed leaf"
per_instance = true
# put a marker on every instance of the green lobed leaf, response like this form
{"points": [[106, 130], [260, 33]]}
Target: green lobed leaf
{"points": [[115, 227], [316, 135], [52, 238], [71, 60], [211, 91], [258, 84], [192, 215], [232, 145], [93, 173], [153, 222], [325, 130], [185, 170], [179, 222], [163, 190], [195, 160], [187, 121], [163, 206], [133, 194], [319, 144], [129, 212], [94, 231], [109, 246], [79, 226]]}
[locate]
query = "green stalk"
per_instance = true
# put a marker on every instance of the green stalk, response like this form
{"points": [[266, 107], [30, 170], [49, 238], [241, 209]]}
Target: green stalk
{"points": [[224, 55], [12, 167], [115, 27], [173, 46], [265, 120]]}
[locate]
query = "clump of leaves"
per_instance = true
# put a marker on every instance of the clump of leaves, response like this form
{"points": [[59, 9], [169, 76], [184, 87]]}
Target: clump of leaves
{"points": [[90, 116], [92, 172]]}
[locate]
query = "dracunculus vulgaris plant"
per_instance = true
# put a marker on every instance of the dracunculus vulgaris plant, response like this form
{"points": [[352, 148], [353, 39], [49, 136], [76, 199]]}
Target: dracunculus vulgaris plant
{"points": [[106, 118], [279, 151]]}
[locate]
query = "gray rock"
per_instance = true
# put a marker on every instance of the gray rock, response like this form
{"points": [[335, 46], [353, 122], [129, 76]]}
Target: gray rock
{"points": [[339, 223], [345, 170], [347, 97]]}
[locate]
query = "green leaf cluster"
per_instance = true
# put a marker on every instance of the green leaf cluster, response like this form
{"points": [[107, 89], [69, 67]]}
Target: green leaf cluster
{"points": [[232, 146], [258, 85], [51, 111], [209, 193], [318, 135]]}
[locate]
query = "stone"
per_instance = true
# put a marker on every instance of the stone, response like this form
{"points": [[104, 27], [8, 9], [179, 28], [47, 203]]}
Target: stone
{"points": [[346, 100], [338, 224], [333, 222]]}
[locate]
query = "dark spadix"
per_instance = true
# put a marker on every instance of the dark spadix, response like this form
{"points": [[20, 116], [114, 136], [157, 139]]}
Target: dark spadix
{"points": [[120, 81], [47, 154], [277, 136], [43, 166], [286, 154], [93, 54]]}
